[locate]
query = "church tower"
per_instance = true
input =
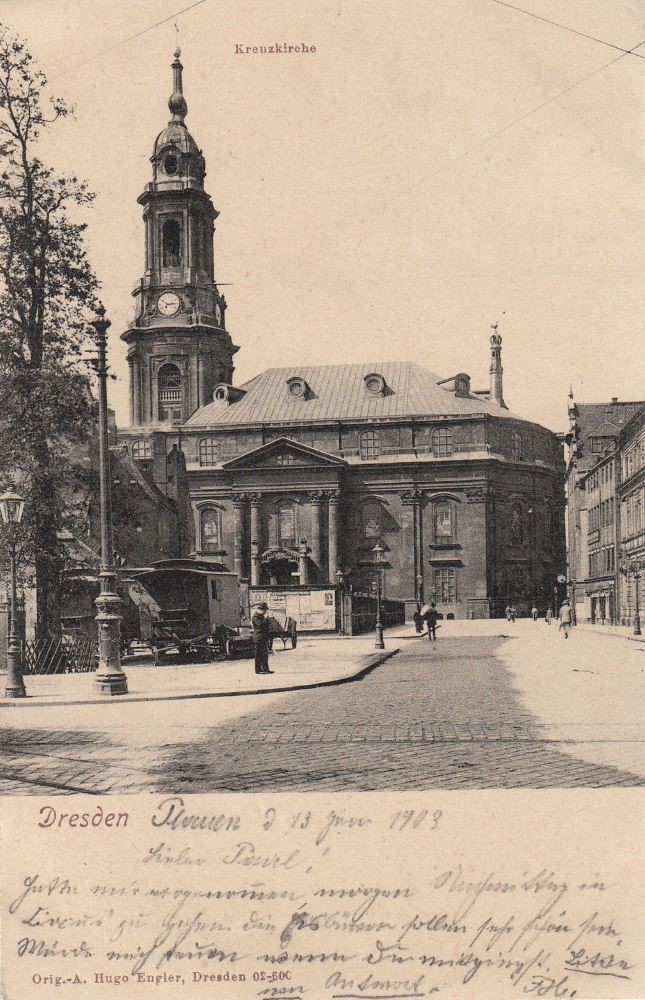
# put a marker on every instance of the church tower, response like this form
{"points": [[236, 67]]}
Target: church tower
{"points": [[179, 349]]}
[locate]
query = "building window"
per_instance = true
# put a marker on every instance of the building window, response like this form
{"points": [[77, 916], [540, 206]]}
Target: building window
{"points": [[287, 458], [170, 394], [369, 445], [517, 525], [445, 584], [516, 446], [171, 243], [210, 533], [208, 451], [443, 523], [371, 520], [287, 526], [442, 442], [142, 449]]}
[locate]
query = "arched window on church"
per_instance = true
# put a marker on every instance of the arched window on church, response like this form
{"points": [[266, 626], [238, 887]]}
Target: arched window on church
{"points": [[517, 524], [210, 529], [209, 451], [171, 244], [442, 442], [287, 526], [443, 524], [369, 445], [170, 394], [372, 516]]}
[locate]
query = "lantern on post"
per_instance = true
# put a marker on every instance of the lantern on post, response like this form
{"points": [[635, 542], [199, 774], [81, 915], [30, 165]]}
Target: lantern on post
{"points": [[12, 506]]}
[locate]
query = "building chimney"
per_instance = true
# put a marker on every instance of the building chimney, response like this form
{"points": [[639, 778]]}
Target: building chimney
{"points": [[496, 370]]}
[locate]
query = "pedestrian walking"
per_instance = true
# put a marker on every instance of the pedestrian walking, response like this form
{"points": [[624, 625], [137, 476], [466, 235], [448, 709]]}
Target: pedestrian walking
{"points": [[261, 637], [513, 613], [535, 613], [565, 618], [548, 617], [431, 620], [418, 620]]}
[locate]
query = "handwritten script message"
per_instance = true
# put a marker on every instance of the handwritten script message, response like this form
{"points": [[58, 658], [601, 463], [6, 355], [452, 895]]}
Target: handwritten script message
{"points": [[289, 896]]}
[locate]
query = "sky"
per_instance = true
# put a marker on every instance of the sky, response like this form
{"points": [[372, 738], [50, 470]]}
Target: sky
{"points": [[430, 170]]}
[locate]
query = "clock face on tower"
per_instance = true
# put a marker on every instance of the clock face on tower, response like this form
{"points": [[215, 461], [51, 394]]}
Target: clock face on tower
{"points": [[168, 304]]}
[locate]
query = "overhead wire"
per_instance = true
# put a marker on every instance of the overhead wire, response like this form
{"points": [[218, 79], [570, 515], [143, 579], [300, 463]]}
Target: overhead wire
{"points": [[130, 38], [527, 114], [583, 34]]}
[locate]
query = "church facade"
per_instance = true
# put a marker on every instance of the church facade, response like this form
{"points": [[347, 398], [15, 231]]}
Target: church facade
{"points": [[294, 477]]}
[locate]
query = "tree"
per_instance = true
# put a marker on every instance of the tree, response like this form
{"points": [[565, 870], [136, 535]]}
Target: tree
{"points": [[47, 299]]}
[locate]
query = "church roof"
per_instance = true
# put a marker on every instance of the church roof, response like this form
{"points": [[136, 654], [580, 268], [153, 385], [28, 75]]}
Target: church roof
{"points": [[339, 392]]}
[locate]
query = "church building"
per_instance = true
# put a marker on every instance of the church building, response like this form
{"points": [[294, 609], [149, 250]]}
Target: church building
{"points": [[294, 477]]}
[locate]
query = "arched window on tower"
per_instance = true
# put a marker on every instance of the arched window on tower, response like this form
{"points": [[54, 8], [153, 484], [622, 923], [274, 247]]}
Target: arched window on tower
{"points": [[170, 394], [171, 244]]}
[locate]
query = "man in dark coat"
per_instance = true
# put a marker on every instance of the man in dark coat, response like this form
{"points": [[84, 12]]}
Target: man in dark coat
{"points": [[261, 635], [431, 619]]}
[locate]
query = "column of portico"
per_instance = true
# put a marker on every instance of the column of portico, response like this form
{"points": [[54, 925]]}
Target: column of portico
{"points": [[303, 562], [239, 504], [315, 500], [333, 500], [256, 541]]}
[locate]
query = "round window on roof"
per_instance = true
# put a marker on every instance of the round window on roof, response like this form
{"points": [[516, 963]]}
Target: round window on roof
{"points": [[171, 164], [375, 383], [297, 387], [221, 393]]}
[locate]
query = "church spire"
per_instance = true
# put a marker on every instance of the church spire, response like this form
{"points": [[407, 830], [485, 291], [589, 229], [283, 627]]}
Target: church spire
{"points": [[177, 101]]}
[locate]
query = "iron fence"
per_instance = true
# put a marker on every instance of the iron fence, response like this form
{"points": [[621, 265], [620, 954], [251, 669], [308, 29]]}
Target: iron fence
{"points": [[60, 655]]}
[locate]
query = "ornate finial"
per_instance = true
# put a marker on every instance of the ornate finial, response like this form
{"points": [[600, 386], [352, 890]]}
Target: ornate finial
{"points": [[494, 325], [177, 101]]}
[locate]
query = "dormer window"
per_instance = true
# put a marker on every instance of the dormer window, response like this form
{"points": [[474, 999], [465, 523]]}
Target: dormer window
{"points": [[226, 393], [297, 387], [374, 384]]}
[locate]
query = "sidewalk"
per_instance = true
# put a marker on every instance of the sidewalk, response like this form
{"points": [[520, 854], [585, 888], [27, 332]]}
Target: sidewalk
{"points": [[314, 663]]}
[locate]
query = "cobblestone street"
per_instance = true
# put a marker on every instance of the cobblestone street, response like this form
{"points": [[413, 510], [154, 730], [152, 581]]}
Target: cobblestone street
{"points": [[473, 711]]}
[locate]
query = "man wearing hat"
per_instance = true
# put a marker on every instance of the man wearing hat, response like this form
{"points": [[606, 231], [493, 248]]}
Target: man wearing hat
{"points": [[261, 635]]}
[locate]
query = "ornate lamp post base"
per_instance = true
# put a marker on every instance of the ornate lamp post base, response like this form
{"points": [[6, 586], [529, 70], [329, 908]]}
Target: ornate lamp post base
{"points": [[109, 678], [15, 685]]}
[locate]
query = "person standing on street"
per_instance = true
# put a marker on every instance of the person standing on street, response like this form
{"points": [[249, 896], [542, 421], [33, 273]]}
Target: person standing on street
{"points": [[431, 620], [565, 618], [513, 613], [548, 617], [418, 620], [508, 613], [534, 612], [261, 636]]}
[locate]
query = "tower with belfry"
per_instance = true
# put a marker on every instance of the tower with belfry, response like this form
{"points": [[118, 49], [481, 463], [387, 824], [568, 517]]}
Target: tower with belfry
{"points": [[178, 345]]}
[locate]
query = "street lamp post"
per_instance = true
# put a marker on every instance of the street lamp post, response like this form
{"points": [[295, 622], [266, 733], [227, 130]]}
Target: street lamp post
{"points": [[12, 506], [378, 552], [109, 678], [634, 567]]}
